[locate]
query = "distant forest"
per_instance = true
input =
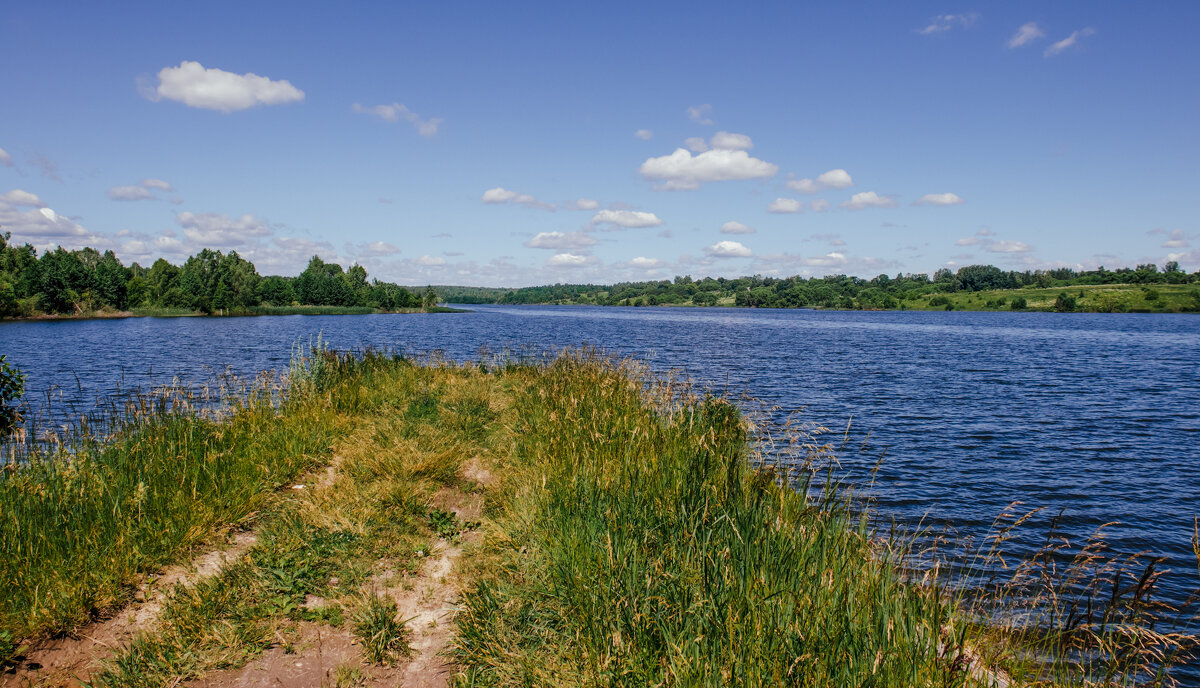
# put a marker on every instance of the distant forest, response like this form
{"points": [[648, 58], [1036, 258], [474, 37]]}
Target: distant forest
{"points": [[909, 290], [87, 281]]}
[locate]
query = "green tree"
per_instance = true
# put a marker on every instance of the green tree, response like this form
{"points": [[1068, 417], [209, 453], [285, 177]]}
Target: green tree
{"points": [[12, 386]]}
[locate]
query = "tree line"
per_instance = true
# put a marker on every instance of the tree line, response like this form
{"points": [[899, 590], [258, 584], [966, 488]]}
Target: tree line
{"points": [[87, 281], [838, 291]]}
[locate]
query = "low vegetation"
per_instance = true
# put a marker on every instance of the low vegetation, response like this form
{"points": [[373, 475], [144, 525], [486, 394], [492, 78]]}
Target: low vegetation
{"points": [[633, 534]]}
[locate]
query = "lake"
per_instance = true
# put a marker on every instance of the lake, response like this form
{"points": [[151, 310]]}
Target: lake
{"points": [[1096, 415]]}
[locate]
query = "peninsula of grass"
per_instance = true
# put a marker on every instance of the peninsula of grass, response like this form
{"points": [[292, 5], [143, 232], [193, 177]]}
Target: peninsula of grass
{"points": [[632, 535]]}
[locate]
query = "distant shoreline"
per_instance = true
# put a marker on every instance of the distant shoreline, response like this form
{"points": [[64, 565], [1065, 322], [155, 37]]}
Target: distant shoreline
{"points": [[255, 312]]}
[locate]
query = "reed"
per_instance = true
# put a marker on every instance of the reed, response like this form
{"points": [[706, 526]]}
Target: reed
{"points": [[636, 543]]}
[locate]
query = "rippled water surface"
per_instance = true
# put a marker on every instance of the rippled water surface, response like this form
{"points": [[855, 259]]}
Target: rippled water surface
{"points": [[1095, 414]]}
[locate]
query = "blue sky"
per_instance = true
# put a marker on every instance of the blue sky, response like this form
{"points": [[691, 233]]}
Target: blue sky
{"points": [[507, 145]]}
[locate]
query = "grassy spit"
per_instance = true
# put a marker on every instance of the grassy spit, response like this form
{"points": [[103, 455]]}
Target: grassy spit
{"points": [[629, 540]]}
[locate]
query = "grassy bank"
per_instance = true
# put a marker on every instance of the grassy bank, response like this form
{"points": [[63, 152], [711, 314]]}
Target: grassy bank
{"points": [[627, 539]]}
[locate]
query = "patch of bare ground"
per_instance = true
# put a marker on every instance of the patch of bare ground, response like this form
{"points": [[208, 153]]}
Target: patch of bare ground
{"points": [[70, 660], [324, 656]]}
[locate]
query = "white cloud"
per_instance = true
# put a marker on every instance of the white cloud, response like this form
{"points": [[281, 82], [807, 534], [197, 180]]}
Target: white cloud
{"points": [[1176, 239], [785, 205], [627, 218], [5, 158], [681, 170], [428, 260], [1028, 32], [41, 226], [567, 260], [695, 144], [869, 199], [1009, 247], [699, 114], [732, 227], [583, 204], [215, 89], [728, 249], [19, 197], [938, 199], [217, 230], [375, 249], [833, 179], [398, 111], [500, 195], [646, 263], [1068, 42], [968, 241], [724, 140], [944, 22], [157, 184], [129, 193], [560, 241], [644, 134], [820, 205]]}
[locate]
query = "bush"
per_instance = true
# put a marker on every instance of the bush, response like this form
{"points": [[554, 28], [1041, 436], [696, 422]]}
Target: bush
{"points": [[1065, 303], [12, 386], [1018, 303]]}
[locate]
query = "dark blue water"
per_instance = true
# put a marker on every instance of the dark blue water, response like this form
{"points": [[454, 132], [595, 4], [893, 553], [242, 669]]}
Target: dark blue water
{"points": [[1095, 414]]}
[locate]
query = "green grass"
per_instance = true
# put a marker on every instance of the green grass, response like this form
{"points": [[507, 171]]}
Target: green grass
{"points": [[628, 540], [634, 545], [1098, 298]]}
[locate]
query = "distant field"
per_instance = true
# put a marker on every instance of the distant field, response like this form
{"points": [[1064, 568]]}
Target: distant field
{"points": [[1098, 298]]}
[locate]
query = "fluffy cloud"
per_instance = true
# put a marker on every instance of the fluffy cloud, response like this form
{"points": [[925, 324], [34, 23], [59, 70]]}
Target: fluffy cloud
{"points": [[5, 158], [699, 114], [820, 205], [215, 89], [1068, 42], [129, 193], [1009, 247], [627, 218], [374, 249], [732, 227], [19, 197], [644, 134], [1175, 238], [500, 195], [728, 249], [41, 226], [1028, 32], [646, 263], [583, 204], [217, 230], [683, 171], [429, 261], [968, 241], [938, 199], [561, 241], [833, 179], [396, 112], [945, 22], [724, 140], [139, 192], [695, 144], [785, 205], [869, 199], [568, 260]]}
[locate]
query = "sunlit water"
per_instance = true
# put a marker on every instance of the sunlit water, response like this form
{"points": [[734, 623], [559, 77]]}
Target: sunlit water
{"points": [[1097, 415]]}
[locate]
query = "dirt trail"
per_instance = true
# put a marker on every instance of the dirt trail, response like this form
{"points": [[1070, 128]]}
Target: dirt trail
{"points": [[327, 656], [70, 660]]}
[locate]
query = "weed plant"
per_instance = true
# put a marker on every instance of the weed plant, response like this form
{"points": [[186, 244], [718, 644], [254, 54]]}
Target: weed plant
{"points": [[636, 544]]}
